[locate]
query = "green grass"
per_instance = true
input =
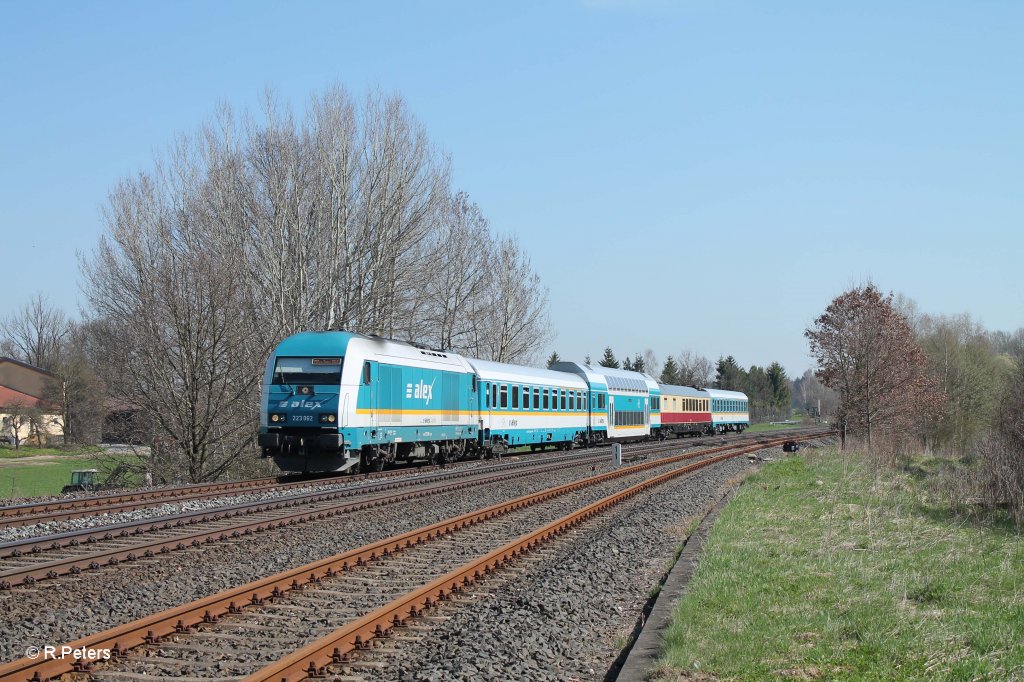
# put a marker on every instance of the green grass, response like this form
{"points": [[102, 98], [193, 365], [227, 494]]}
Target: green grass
{"points": [[29, 478], [8, 451], [757, 428], [818, 570]]}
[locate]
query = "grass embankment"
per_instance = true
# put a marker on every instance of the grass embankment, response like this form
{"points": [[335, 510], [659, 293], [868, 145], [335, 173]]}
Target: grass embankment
{"points": [[818, 570]]}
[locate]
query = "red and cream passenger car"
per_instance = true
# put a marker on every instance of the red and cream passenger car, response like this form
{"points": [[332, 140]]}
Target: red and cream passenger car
{"points": [[685, 411]]}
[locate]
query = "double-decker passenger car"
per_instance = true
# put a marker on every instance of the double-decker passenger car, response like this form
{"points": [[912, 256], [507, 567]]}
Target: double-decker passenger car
{"points": [[728, 410], [685, 411], [629, 398]]}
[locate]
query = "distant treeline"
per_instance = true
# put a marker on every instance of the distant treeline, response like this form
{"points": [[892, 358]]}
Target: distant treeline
{"points": [[769, 389]]}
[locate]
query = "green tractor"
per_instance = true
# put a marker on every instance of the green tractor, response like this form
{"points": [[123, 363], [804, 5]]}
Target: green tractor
{"points": [[83, 481]]}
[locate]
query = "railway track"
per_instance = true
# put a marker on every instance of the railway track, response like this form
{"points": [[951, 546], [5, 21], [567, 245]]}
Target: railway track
{"points": [[371, 590], [79, 507], [29, 560]]}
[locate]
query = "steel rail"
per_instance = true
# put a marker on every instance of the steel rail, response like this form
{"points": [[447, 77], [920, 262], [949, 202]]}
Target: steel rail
{"points": [[32, 573], [56, 541], [36, 545], [152, 629], [59, 510], [312, 659], [86, 506]]}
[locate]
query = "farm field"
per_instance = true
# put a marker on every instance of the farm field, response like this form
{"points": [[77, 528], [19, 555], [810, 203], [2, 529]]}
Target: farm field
{"points": [[817, 570], [32, 472]]}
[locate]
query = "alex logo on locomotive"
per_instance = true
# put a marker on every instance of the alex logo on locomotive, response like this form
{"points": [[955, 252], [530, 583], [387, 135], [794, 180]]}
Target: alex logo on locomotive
{"points": [[420, 391]]}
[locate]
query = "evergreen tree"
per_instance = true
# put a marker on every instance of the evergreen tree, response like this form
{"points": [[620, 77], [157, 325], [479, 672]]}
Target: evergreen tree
{"points": [[554, 358], [729, 376], [638, 363], [782, 396], [670, 372], [627, 364], [609, 359]]}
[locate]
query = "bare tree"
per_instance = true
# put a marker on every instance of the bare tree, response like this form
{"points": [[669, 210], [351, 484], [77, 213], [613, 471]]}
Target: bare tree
{"points": [[256, 228], [511, 319], [970, 375], [650, 362], [694, 369], [17, 416], [36, 333], [173, 312], [458, 273], [866, 351], [813, 397], [78, 389], [1001, 453]]}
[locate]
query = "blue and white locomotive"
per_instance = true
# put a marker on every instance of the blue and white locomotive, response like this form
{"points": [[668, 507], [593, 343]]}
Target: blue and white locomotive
{"points": [[336, 401], [341, 401]]}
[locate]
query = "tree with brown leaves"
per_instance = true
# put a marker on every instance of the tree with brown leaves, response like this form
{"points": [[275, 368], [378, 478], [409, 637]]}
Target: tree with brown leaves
{"points": [[866, 350]]}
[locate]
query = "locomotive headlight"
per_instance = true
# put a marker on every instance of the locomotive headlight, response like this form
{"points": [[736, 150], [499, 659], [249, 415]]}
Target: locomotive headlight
{"points": [[277, 418], [328, 418]]}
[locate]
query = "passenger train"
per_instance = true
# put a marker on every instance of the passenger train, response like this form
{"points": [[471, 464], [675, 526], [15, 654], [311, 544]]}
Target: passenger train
{"points": [[341, 401]]}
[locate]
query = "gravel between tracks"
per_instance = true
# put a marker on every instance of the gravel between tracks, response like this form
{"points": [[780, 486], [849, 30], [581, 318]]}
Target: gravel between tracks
{"points": [[300, 618], [61, 610], [567, 611], [171, 507]]}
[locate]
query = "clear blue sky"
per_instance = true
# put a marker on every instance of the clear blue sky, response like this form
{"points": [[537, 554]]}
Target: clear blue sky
{"points": [[738, 164]]}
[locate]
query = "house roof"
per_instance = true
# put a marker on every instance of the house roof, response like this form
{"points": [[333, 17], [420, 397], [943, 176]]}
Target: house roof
{"points": [[9, 398], [4, 358]]}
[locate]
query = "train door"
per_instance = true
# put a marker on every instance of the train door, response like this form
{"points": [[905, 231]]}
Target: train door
{"points": [[366, 384], [611, 415], [486, 396]]}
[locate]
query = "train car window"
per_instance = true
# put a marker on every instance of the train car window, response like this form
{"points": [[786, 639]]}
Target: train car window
{"points": [[536, 398], [515, 397], [474, 384], [562, 402], [603, 399], [366, 374], [494, 395], [546, 399], [504, 395]]}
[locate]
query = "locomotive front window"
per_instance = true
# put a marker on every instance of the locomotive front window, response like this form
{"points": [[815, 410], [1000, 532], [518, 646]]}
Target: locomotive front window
{"points": [[319, 371]]}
